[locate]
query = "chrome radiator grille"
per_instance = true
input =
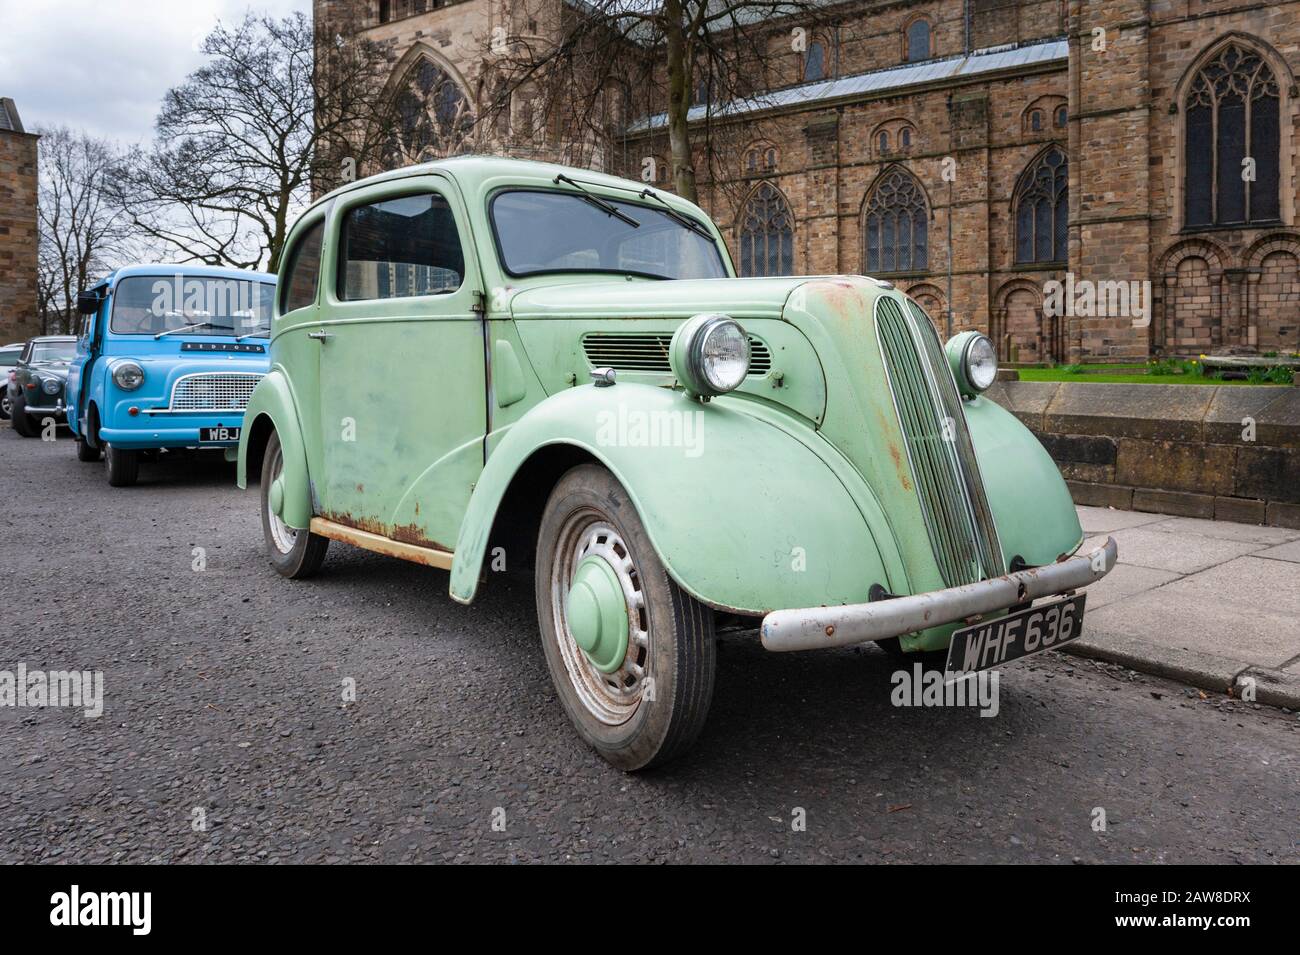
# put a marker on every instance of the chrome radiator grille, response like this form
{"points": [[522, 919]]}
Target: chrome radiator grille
{"points": [[219, 391], [948, 483]]}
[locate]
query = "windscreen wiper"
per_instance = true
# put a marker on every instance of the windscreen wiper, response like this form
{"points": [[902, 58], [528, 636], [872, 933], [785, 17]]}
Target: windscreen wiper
{"points": [[604, 205], [190, 328], [673, 213]]}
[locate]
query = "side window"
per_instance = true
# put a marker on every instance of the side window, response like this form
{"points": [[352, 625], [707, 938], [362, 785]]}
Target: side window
{"points": [[399, 248], [299, 289]]}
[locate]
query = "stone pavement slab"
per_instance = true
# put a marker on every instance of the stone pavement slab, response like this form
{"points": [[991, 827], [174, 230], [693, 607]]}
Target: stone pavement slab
{"points": [[1211, 603], [1179, 552], [1289, 552]]}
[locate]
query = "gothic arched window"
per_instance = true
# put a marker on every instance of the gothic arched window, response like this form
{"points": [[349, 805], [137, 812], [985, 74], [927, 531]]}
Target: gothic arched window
{"points": [[433, 115], [1232, 141], [895, 225], [1042, 211], [766, 234], [814, 63], [918, 40]]}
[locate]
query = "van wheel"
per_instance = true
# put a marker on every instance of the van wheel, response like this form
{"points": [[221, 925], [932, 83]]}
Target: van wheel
{"points": [[85, 452], [294, 553], [632, 655], [123, 467]]}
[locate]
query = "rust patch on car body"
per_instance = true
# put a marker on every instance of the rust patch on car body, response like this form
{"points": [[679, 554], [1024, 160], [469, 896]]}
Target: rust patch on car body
{"points": [[371, 535]]}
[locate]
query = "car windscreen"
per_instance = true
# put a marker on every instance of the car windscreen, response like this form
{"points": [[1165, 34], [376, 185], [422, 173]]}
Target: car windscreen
{"points": [[10, 356], [191, 305], [53, 351], [545, 231]]}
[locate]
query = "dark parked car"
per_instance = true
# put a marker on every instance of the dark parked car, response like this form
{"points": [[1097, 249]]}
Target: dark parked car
{"points": [[39, 381], [8, 359]]}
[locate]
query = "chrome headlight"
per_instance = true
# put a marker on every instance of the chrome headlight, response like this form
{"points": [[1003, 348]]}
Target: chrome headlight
{"points": [[974, 362], [128, 376], [709, 355], [51, 386]]}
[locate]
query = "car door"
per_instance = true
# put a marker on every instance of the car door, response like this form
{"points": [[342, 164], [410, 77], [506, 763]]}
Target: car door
{"points": [[402, 374], [81, 368], [294, 353]]}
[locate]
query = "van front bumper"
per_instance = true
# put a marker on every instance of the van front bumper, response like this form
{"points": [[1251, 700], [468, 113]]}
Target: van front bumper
{"points": [[171, 431], [820, 627]]}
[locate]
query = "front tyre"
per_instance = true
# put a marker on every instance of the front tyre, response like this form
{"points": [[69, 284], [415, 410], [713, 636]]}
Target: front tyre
{"points": [[632, 655], [23, 423], [294, 553], [85, 452], [122, 466]]}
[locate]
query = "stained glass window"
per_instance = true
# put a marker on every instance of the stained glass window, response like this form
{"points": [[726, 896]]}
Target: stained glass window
{"points": [[895, 225], [766, 234], [1042, 210]]}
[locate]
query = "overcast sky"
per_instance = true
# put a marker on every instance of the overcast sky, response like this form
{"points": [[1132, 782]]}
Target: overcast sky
{"points": [[103, 65]]}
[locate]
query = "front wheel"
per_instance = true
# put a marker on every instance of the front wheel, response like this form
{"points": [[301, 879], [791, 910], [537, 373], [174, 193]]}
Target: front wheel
{"points": [[6, 404], [23, 423], [85, 452], [632, 655], [294, 553], [122, 466]]}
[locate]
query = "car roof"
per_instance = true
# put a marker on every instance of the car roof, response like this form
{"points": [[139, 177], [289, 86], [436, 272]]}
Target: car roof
{"points": [[472, 170], [168, 269]]}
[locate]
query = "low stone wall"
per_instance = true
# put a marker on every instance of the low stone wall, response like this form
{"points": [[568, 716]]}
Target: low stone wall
{"points": [[1175, 449]]}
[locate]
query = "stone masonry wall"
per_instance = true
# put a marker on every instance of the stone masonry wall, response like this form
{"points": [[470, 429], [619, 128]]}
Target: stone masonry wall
{"points": [[1227, 452], [18, 318]]}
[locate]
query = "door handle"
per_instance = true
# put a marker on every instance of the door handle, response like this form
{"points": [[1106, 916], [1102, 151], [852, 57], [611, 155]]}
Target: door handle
{"points": [[321, 336]]}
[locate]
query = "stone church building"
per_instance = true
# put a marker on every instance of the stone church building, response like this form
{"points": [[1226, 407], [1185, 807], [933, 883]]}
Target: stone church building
{"points": [[974, 152]]}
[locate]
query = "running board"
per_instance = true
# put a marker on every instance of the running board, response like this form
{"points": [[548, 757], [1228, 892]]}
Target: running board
{"points": [[429, 556]]}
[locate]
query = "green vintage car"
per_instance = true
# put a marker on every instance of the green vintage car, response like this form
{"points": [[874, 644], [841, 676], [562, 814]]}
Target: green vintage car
{"points": [[555, 367]]}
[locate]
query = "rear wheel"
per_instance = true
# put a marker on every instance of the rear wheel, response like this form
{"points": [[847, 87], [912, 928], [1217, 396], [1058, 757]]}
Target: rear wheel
{"points": [[294, 553], [6, 404], [122, 466], [632, 655]]}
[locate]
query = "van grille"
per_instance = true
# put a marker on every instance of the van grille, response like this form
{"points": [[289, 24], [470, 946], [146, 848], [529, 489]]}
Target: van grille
{"points": [[649, 352], [222, 391], [948, 482]]}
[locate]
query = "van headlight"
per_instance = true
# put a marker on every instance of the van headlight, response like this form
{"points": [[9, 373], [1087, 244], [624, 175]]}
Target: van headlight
{"points": [[709, 355], [974, 362], [128, 376]]}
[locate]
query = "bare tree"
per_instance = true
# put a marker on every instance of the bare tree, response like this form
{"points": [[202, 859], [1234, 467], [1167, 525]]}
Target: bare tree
{"points": [[663, 57], [82, 233], [240, 142]]}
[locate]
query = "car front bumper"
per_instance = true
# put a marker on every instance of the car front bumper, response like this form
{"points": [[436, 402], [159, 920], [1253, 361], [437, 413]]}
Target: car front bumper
{"points": [[57, 409], [820, 627]]}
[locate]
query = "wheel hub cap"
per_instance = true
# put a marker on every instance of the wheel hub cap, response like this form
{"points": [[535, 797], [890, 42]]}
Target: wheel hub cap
{"points": [[276, 497], [597, 614]]}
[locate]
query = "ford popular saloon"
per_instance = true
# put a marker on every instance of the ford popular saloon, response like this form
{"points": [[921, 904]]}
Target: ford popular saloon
{"points": [[167, 357], [558, 367]]}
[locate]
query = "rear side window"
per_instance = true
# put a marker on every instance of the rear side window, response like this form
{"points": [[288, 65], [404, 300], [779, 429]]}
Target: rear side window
{"points": [[304, 271], [399, 248]]}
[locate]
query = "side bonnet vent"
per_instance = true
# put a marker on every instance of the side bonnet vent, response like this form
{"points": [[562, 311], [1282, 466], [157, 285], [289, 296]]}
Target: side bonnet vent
{"points": [[630, 351]]}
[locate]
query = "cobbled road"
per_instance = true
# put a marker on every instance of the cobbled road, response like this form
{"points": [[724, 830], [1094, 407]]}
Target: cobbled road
{"points": [[224, 693]]}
